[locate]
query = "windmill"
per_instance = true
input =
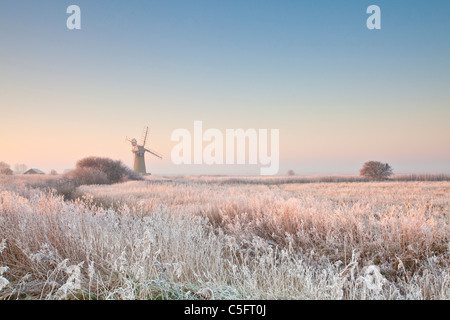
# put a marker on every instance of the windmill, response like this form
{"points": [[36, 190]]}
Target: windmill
{"points": [[139, 153]]}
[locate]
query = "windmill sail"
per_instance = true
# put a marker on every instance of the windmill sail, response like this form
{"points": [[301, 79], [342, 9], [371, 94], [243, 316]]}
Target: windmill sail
{"points": [[144, 136], [154, 153]]}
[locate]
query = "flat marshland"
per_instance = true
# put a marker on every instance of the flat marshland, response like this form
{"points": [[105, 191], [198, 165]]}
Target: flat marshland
{"points": [[224, 238]]}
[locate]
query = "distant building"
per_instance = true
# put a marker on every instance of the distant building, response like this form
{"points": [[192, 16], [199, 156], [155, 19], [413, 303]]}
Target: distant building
{"points": [[33, 171]]}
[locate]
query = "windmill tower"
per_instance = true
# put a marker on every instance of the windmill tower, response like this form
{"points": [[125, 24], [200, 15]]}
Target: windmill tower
{"points": [[139, 153]]}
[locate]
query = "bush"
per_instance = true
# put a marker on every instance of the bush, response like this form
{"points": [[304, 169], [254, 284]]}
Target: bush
{"points": [[82, 176], [4, 165], [96, 170], [6, 171]]}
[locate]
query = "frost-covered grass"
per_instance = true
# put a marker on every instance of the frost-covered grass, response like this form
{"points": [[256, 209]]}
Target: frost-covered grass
{"points": [[200, 238]]}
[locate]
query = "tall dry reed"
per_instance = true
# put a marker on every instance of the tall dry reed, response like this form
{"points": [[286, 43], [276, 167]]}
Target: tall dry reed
{"points": [[178, 239]]}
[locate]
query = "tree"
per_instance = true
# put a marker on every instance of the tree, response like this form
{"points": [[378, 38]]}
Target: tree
{"points": [[291, 173], [376, 170], [20, 168], [4, 165]]}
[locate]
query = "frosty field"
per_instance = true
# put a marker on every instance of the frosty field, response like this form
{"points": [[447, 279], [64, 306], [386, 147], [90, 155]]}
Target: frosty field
{"points": [[224, 238]]}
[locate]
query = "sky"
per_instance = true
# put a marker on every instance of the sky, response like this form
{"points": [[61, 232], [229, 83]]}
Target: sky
{"points": [[339, 93]]}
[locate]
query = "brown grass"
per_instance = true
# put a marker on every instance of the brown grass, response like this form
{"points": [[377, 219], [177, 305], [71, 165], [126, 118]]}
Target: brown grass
{"points": [[176, 238]]}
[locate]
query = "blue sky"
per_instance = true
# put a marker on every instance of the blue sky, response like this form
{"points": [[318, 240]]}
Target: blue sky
{"points": [[339, 93]]}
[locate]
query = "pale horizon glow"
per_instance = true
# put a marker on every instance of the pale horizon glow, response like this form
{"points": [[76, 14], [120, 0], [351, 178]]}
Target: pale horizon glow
{"points": [[338, 93]]}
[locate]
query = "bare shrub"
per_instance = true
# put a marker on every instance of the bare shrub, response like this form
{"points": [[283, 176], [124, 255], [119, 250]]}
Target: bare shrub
{"points": [[114, 170], [4, 165], [6, 172], [87, 175]]}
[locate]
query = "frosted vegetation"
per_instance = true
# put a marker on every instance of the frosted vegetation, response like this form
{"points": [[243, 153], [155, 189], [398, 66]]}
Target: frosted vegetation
{"points": [[224, 238]]}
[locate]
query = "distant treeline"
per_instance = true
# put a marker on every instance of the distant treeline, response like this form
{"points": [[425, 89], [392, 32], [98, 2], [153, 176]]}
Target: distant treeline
{"points": [[422, 177], [274, 180]]}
